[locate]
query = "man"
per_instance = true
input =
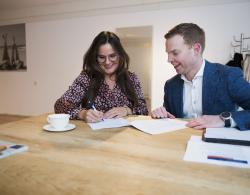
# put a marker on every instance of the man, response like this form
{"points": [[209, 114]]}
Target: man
{"points": [[207, 93]]}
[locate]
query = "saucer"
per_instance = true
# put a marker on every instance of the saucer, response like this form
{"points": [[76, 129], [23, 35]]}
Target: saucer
{"points": [[68, 127]]}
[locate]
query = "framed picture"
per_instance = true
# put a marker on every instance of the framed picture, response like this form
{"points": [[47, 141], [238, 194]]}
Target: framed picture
{"points": [[13, 48]]}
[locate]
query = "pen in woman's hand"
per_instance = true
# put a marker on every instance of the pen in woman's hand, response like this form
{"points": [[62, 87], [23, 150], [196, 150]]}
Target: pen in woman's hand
{"points": [[93, 107]]}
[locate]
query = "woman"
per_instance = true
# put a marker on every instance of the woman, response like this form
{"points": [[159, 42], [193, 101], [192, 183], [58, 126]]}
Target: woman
{"points": [[105, 88]]}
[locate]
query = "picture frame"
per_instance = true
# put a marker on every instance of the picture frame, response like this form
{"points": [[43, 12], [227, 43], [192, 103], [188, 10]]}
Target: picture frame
{"points": [[13, 48]]}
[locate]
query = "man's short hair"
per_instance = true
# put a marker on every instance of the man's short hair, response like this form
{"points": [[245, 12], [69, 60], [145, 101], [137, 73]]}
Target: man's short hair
{"points": [[190, 32]]}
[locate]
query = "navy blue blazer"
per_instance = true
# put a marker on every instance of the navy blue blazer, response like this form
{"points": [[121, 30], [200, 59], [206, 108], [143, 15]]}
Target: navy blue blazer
{"points": [[224, 89]]}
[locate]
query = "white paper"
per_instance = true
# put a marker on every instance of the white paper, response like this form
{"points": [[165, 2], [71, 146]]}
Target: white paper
{"points": [[157, 126], [10, 151], [227, 133], [109, 123], [198, 151], [152, 126]]}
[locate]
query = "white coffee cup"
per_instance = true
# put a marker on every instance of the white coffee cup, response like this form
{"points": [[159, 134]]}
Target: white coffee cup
{"points": [[58, 121]]}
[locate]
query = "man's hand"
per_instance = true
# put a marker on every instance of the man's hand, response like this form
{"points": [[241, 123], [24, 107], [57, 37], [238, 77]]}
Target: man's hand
{"points": [[161, 113], [206, 121]]}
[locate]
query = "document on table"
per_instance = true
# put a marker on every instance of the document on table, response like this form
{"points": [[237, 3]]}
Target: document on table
{"points": [[9, 148], [219, 154], [157, 126], [153, 126], [227, 135], [109, 123]]}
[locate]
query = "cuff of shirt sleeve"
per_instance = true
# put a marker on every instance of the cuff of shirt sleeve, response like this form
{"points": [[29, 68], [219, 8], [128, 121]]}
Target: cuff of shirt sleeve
{"points": [[233, 123]]}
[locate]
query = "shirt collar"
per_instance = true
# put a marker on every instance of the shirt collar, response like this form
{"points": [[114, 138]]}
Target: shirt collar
{"points": [[198, 74]]}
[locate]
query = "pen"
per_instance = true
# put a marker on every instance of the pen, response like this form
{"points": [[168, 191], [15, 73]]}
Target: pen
{"points": [[221, 158], [93, 106]]}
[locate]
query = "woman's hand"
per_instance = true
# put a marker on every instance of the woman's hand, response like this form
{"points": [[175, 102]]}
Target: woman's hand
{"points": [[91, 116], [117, 112]]}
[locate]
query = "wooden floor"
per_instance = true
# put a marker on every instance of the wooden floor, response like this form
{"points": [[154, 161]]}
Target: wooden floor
{"points": [[6, 118]]}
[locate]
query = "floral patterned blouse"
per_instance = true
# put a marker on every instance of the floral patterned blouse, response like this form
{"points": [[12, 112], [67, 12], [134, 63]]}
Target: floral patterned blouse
{"points": [[106, 99]]}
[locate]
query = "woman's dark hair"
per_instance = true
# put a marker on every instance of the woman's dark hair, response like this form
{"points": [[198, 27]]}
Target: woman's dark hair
{"points": [[92, 68]]}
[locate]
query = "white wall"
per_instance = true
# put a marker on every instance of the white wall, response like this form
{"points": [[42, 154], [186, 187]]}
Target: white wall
{"points": [[55, 50]]}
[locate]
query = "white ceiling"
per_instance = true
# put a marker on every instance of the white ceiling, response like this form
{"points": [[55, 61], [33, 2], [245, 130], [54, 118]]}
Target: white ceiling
{"points": [[12, 11], [20, 4]]}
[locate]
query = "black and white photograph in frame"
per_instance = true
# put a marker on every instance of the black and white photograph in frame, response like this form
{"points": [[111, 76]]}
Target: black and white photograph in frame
{"points": [[13, 48]]}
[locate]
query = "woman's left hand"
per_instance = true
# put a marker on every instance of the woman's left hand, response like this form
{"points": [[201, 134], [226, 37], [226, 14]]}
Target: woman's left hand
{"points": [[116, 112]]}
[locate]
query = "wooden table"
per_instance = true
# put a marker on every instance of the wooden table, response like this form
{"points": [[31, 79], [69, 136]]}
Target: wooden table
{"points": [[109, 161]]}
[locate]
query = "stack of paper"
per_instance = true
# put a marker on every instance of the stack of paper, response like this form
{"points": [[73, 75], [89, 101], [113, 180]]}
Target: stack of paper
{"points": [[214, 153], [11, 148]]}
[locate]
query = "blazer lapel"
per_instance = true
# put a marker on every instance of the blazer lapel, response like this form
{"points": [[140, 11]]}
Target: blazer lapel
{"points": [[178, 97], [209, 88]]}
